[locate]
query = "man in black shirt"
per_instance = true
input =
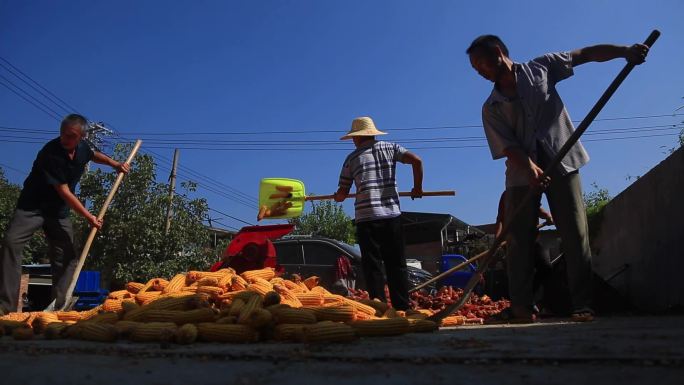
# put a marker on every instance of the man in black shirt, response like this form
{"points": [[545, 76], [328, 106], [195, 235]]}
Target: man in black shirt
{"points": [[45, 200]]}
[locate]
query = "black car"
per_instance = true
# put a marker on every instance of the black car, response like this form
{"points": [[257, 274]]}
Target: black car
{"points": [[319, 256]]}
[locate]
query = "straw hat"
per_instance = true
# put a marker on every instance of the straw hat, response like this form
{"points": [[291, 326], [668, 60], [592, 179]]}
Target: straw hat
{"points": [[362, 126]]}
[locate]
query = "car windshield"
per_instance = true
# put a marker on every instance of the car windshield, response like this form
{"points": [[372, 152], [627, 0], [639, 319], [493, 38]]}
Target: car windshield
{"points": [[353, 250]]}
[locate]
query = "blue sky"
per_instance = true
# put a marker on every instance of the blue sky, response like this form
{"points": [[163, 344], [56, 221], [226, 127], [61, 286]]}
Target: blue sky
{"points": [[222, 67]]}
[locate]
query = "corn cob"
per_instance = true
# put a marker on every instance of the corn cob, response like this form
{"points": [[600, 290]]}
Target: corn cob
{"points": [[32, 317], [213, 291], [321, 290], [380, 307], [23, 334], [125, 328], [310, 299], [68, 315], [290, 285], [271, 298], [227, 320], [359, 307], [153, 331], [288, 332], [422, 326], [266, 273], [226, 280], [391, 313], [91, 313], [159, 284], [455, 320], [333, 300], [189, 289], [194, 316], [157, 315], [245, 295], [312, 282], [250, 306], [134, 287], [381, 327], [175, 284], [276, 308], [55, 330], [260, 286], [236, 307], [119, 294], [341, 313], [98, 332], [41, 322], [73, 331], [105, 317], [259, 318], [194, 276], [287, 296], [294, 316], [145, 297], [147, 286], [113, 305], [208, 281], [19, 317], [213, 332], [8, 325], [302, 287], [328, 332], [238, 283], [186, 334], [358, 316], [276, 281]]}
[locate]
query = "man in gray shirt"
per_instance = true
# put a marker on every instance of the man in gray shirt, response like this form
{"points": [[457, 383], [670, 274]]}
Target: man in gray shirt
{"points": [[526, 122]]}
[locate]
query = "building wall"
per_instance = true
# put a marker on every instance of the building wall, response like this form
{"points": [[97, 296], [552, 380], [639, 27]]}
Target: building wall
{"points": [[643, 230]]}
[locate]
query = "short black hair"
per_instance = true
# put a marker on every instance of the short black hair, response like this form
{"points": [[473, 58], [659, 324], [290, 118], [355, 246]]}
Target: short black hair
{"points": [[72, 119], [488, 43]]}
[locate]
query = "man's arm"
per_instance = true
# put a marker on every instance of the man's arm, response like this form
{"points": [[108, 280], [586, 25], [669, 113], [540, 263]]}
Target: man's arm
{"points": [[520, 159], [104, 159], [73, 202], [636, 54], [417, 166], [341, 194]]}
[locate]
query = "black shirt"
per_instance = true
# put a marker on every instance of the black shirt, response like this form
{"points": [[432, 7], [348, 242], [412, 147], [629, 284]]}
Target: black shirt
{"points": [[53, 167]]}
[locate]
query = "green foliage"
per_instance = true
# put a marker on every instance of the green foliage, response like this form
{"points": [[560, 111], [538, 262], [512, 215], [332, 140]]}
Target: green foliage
{"points": [[36, 248], [132, 246], [326, 219], [595, 201]]}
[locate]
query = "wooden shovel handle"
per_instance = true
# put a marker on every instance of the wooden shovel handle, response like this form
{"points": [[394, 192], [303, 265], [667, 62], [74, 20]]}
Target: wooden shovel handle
{"points": [[401, 194]]}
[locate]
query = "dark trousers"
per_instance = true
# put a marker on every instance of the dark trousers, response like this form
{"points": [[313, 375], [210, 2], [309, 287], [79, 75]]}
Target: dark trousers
{"points": [[382, 241], [567, 207], [59, 234]]}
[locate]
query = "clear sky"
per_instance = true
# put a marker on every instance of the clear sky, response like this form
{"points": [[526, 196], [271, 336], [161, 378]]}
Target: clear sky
{"points": [[224, 67]]}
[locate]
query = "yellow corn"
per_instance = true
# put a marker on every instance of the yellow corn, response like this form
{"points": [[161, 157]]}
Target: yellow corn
{"points": [[134, 287], [359, 307], [227, 320], [250, 306], [455, 320], [259, 318], [294, 316], [328, 332], [422, 326], [125, 328], [312, 282], [381, 327], [194, 276], [113, 305], [236, 307], [341, 313], [153, 331], [321, 290], [238, 283], [186, 334], [287, 296], [147, 286], [213, 332], [266, 273], [189, 289], [175, 284], [68, 315], [310, 299], [145, 297], [380, 307], [226, 280], [159, 284], [288, 332], [194, 316], [212, 291], [119, 294], [290, 285], [42, 320], [98, 332], [8, 325], [208, 281], [91, 313], [105, 317], [260, 286]]}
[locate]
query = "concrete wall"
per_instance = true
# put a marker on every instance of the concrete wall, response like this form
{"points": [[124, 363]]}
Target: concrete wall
{"points": [[643, 228]]}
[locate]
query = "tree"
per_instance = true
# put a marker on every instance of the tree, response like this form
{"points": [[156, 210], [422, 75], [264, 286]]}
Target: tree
{"points": [[594, 202], [36, 248], [326, 219], [131, 244]]}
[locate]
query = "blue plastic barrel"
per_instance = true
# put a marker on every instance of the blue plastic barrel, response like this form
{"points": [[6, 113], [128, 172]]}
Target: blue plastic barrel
{"points": [[459, 278]]}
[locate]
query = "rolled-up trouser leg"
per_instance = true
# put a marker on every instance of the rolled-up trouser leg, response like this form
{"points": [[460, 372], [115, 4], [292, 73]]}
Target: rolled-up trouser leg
{"points": [[63, 258], [18, 233]]}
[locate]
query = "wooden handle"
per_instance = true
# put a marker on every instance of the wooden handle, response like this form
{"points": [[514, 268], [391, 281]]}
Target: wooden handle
{"points": [[401, 194], [93, 231]]}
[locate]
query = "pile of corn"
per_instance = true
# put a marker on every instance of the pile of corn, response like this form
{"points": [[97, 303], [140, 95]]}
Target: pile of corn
{"points": [[221, 306]]}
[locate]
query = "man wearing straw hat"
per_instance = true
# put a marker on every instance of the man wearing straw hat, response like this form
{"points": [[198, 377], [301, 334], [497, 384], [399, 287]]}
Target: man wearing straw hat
{"points": [[371, 167], [44, 202]]}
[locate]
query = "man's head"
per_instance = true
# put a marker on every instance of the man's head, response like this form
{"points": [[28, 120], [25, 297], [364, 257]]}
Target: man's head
{"points": [[72, 130], [363, 130], [488, 56]]}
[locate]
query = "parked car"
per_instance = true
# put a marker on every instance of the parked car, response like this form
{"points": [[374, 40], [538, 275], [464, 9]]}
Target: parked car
{"points": [[319, 256]]}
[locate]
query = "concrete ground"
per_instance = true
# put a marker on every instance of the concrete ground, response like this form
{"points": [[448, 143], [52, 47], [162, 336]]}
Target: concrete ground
{"points": [[618, 350]]}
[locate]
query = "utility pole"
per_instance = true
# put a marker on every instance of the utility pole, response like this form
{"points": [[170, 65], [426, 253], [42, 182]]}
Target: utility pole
{"points": [[172, 189]]}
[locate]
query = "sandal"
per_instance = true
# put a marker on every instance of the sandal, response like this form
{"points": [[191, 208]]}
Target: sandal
{"points": [[584, 314], [506, 316]]}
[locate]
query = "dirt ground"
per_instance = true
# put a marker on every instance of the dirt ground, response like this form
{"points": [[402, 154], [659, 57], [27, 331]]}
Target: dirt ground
{"points": [[616, 350]]}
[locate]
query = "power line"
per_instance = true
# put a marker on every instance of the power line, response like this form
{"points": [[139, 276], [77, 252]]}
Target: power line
{"points": [[30, 102], [232, 217]]}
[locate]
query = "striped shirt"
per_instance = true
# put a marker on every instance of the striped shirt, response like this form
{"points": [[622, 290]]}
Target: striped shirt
{"points": [[535, 120], [372, 170]]}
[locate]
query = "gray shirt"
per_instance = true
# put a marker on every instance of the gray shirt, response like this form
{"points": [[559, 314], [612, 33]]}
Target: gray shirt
{"points": [[536, 118]]}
